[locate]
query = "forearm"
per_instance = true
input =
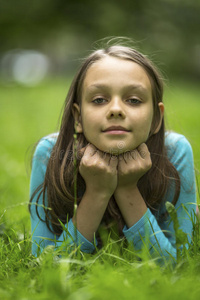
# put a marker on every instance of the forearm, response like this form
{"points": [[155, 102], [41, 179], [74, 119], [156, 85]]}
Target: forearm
{"points": [[131, 205], [148, 235], [89, 214], [88, 221], [142, 229]]}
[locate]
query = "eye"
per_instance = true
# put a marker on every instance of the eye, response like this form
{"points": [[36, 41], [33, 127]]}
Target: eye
{"points": [[134, 101], [98, 100]]}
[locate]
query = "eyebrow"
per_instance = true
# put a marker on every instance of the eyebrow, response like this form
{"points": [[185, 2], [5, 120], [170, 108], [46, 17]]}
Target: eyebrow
{"points": [[126, 87]]}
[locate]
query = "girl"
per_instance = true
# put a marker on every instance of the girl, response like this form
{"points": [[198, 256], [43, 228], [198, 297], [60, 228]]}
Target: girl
{"points": [[127, 165]]}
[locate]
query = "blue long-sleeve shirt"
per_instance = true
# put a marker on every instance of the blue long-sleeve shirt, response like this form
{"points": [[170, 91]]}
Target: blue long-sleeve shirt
{"points": [[160, 232]]}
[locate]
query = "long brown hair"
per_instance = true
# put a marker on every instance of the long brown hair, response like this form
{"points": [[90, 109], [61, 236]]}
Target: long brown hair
{"points": [[59, 179]]}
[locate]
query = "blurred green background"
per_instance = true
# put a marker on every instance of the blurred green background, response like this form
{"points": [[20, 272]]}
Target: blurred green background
{"points": [[40, 49]]}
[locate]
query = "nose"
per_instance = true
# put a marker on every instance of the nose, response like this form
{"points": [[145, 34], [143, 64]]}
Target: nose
{"points": [[115, 109]]}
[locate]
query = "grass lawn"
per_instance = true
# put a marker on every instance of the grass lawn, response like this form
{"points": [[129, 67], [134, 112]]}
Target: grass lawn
{"points": [[27, 114]]}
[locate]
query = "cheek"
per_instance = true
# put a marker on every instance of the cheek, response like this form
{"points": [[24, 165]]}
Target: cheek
{"points": [[144, 120], [90, 122], [89, 125], [91, 118]]}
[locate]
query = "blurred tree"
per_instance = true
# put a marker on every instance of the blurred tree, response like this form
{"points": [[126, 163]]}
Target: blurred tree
{"points": [[167, 28]]}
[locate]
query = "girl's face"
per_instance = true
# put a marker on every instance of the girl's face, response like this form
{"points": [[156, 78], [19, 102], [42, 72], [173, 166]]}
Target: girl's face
{"points": [[116, 105]]}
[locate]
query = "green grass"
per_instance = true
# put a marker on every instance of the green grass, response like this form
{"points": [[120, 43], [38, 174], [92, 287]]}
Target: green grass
{"points": [[27, 114]]}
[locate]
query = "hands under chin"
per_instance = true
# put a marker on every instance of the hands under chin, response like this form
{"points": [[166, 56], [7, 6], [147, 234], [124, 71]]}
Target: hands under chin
{"points": [[131, 167]]}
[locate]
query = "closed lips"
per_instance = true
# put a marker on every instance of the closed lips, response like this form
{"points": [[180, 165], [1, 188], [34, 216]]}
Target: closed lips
{"points": [[116, 128]]}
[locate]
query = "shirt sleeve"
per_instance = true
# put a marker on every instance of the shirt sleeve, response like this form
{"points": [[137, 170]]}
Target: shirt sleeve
{"points": [[41, 235], [160, 235]]}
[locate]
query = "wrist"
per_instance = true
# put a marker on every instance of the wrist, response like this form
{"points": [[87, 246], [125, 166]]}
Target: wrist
{"points": [[89, 213], [131, 204], [98, 196], [124, 190]]}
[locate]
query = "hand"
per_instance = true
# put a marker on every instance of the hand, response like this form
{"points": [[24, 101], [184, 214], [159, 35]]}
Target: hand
{"points": [[99, 170], [132, 166]]}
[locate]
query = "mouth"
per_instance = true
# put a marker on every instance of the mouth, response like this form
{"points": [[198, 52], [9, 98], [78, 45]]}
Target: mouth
{"points": [[116, 132], [116, 129]]}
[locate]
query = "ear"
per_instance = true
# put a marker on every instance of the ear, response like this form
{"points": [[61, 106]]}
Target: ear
{"points": [[161, 108], [77, 118]]}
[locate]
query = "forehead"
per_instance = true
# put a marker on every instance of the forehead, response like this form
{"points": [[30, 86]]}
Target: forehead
{"points": [[116, 71]]}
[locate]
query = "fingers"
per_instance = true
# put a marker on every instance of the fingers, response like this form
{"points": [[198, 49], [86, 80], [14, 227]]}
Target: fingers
{"points": [[143, 151], [140, 152], [113, 161], [80, 152], [145, 155], [90, 150], [127, 156]]}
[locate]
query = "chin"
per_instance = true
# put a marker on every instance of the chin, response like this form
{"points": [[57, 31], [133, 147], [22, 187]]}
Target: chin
{"points": [[114, 151]]}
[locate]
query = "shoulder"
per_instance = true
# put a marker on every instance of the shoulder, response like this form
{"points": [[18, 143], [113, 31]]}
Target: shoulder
{"points": [[177, 146], [45, 146], [175, 139], [179, 152]]}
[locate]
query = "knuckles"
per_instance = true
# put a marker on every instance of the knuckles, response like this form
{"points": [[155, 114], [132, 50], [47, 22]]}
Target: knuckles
{"points": [[95, 164], [137, 166], [136, 161], [147, 164]]}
